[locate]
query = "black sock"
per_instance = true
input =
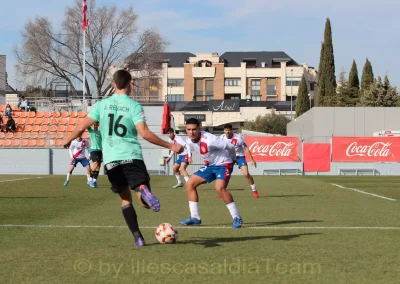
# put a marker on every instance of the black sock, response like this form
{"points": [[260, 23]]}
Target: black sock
{"points": [[131, 220], [91, 174], [96, 174]]}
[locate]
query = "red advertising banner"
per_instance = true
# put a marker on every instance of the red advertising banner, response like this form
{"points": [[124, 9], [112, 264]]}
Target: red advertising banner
{"points": [[365, 149], [273, 148], [316, 157]]}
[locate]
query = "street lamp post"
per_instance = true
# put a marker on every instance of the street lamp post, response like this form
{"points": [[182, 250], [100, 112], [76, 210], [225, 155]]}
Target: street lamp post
{"points": [[309, 98], [291, 93]]}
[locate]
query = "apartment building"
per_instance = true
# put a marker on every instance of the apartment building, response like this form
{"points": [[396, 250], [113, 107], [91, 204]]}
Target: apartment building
{"points": [[3, 74], [256, 76]]}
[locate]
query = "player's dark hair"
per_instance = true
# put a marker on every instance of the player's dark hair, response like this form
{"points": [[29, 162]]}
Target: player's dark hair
{"points": [[193, 120], [228, 126], [122, 78], [168, 130]]}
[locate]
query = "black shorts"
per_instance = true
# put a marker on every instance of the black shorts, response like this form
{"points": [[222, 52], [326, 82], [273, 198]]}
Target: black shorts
{"points": [[132, 173], [96, 156]]}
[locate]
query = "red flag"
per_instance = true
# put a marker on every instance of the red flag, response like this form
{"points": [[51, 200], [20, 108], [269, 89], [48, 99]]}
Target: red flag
{"points": [[85, 21]]}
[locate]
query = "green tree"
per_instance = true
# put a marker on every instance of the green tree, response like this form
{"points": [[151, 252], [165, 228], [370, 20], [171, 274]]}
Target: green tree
{"points": [[302, 100], [329, 63], [353, 76], [269, 123], [321, 78], [367, 78], [374, 95], [390, 94]]}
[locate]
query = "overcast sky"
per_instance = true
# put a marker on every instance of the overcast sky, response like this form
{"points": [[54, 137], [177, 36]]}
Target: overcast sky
{"points": [[360, 28]]}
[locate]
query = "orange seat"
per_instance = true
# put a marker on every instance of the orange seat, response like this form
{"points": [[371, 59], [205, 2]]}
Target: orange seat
{"points": [[3, 128], [14, 108], [58, 143], [63, 121], [62, 128], [82, 114], [34, 135], [20, 128], [56, 114], [38, 121], [2, 135], [44, 128], [72, 121], [50, 142], [46, 121], [32, 143], [24, 142], [21, 121], [2, 108], [24, 115], [16, 114], [29, 121], [15, 143], [1, 143], [54, 121], [40, 114], [48, 114], [51, 135], [36, 128], [73, 114], [40, 143], [42, 136], [17, 135], [70, 128], [53, 128], [7, 143], [65, 114], [31, 114], [26, 135], [9, 135], [60, 135]]}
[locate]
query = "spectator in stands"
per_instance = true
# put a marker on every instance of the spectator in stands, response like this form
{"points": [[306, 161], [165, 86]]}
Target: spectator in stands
{"points": [[1, 123], [8, 110], [24, 104], [11, 126]]}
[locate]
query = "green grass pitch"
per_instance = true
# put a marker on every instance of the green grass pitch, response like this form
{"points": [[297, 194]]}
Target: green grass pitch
{"points": [[301, 230]]}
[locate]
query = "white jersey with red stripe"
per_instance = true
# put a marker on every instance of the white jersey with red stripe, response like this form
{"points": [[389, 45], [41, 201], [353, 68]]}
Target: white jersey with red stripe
{"points": [[180, 141], [238, 142], [212, 149], [77, 148]]}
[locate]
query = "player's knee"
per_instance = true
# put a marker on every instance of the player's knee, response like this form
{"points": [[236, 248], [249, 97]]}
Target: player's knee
{"points": [[247, 175], [220, 189]]}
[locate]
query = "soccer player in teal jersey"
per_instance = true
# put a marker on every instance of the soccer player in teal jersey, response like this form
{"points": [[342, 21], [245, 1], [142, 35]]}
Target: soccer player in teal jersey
{"points": [[96, 155], [121, 119]]}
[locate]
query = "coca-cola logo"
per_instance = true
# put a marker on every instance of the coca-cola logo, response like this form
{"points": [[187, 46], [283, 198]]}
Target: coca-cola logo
{"points": [[279, 149], [378, 149]]}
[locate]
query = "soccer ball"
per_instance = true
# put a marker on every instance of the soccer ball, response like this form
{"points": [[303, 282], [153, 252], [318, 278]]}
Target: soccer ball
{"points": [[166, 233]]}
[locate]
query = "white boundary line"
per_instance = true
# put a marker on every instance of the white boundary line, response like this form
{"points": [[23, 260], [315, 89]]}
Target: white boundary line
{"points": [[200, 227], [18, 179], [360, 191]]}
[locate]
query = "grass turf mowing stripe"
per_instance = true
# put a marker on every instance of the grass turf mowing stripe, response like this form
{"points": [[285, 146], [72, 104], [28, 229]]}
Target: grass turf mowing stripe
{"points": [[18, 179]]}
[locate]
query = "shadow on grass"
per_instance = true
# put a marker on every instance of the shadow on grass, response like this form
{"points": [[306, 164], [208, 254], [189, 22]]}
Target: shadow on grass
{"points": [[266, 223], [28, 197], [215, 242]]}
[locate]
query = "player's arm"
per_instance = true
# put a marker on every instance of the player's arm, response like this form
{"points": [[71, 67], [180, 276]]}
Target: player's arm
{"points": [[247, 150], [189, 151], [149, 136], [78, 131], [71, 152]]}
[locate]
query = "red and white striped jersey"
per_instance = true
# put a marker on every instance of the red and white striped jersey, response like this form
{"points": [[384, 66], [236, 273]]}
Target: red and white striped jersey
{"points": [[77, 148]]}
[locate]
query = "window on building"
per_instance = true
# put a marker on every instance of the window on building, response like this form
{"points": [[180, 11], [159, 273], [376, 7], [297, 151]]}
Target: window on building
{"points": [[271, 88], [311, 86], [250, 63], [198, 88], [175, 98], [175, 82], [153, 88], [232, 82], [294, 81], [232, 97], [255, 90], [209, 89]]}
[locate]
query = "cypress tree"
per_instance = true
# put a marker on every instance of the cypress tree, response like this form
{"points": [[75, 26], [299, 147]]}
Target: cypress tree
{"points": [[374, 95], [353, 77], [329, 63], [302, 100], [321, 78], [390, 96], [367, 78]]}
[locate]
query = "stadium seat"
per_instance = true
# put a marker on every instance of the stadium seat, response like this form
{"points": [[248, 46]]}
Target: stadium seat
{"points": [[29, 121], [53, 128], [41, 143], [7, 143], [63, 121], [42, 135], [73, 114], [34, 135], [51, 135], [58, 143], [61, 128], [56, 114], [70, 128], [39, 114], [20, 127], [65, 114], [82, 114], [32, 143], [26, 135], [36, 128], [2, 108], [44, 128], [2, 135], [9, 135], [24, 142], [46, 121], [38, 121], [16, 114], [31, 114], [72, 121], [48, 114], [50, 142], [60, 135], [24, 115], [17, 135], [15, 108], [21, 121], [15, 143], [1, 143]]}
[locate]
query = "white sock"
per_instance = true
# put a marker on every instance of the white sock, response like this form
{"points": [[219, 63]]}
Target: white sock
{"points": [[186, 178], [88, 177], [253, 187], [178, 178], [94, 180], [233, 210], [68, 176], [194, 209]]}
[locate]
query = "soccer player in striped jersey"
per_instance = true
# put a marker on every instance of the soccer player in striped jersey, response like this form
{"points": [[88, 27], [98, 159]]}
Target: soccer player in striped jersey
{"points": [[77, 153]]}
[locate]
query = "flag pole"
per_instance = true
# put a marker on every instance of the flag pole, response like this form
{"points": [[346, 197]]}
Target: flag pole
{"points": [[84, 67]]}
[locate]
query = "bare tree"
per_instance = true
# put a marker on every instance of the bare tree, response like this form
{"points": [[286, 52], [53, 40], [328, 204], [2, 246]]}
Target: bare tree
{"points": [[112, 36]]}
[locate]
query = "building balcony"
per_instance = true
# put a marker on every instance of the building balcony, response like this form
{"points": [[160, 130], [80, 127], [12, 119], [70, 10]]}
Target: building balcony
{"points": [[203, 72], [233, 89]]}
